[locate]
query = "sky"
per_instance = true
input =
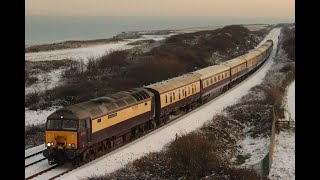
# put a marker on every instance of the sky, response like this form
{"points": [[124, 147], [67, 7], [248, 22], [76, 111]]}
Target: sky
{"points": [[225, 8]]}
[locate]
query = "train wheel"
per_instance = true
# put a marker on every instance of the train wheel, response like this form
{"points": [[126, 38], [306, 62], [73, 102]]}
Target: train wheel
{"points": [[153, 124]]}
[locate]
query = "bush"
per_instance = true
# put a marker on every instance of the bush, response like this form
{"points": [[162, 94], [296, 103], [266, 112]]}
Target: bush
{"points": [[274, 97], [115, 59], [193, 155], [34, 135], [32, 98]]}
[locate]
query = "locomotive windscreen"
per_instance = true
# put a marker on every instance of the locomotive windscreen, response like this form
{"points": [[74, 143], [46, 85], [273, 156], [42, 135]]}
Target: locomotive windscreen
{"points": [[69, 125]]}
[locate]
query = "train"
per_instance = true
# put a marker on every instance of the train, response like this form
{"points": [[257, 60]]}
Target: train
{"points": [[82, 131]]}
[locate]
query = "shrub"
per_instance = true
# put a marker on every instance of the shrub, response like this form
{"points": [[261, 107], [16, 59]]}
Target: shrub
{"points": [[32, 98], [274, 97], [193, 155], [115, 59], [34, 135]]}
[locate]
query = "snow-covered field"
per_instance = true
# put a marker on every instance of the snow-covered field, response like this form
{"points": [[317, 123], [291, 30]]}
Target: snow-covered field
{"points": [[38, 117], [46, 81], [156, 140], [77, 53], [87, 52], [283, 166], [256, 147]]}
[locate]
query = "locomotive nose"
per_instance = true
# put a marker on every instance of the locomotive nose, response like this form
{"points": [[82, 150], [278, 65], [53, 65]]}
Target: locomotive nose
{"points": [[61, 141]]}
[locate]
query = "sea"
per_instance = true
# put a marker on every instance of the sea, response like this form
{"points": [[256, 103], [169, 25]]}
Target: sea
{"points": [[51, 29]]}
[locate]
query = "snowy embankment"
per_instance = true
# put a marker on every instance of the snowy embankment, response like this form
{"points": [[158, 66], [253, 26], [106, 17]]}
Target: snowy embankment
{"points": [[156, 140], [87, 52], [38, 117], [283, 166], [46, 81]]}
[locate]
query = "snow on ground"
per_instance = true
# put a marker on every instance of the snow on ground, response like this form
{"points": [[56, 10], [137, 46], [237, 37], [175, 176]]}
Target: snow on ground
{"points": [[77, 53], [158, 37], [283, 166], [38, 117], [257, 148], [34, 150], [33, 159], [46, 81], [87, 52], [291, 100], [157, 139]]}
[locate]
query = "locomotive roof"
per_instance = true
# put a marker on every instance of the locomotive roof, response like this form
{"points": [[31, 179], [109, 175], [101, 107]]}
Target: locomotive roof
{"points": [[234, 62], [174, 83], [210, 71], [102, 105]]}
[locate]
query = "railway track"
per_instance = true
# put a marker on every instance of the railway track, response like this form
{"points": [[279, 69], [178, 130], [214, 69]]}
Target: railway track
{"points": [[33, 159], [41, 172]]}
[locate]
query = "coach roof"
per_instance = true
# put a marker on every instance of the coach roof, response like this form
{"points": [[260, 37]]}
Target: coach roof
{"points": [[174, 83]]}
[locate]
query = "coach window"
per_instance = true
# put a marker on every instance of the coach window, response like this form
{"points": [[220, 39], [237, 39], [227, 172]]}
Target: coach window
{"points": [[185, 92], [170, 99], [99, 120], [222, 76], [174, 96], [179, 95], [166, 99]]}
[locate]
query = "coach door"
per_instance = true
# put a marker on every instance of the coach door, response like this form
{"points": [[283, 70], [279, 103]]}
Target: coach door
{"points": [[83, 135], [88, 127]]}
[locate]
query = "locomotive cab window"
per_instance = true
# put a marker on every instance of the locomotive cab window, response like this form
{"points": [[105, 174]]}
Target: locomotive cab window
{"points": [[70, 125], [99, 120]]}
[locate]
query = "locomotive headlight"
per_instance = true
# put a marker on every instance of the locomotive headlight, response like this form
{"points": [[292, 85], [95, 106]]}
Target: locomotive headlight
{"points": [[49, 144], [72, 145]]}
